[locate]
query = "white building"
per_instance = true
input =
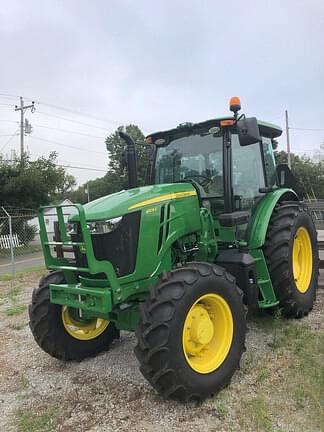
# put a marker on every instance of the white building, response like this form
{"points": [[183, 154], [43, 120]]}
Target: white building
{"points": [[50, 216]]}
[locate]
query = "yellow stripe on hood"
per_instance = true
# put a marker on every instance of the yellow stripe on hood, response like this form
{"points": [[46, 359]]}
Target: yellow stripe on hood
{"points": [[161, 198]]}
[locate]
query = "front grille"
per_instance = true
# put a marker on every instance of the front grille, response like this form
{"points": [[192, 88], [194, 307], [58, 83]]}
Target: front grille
{"points": [[119, 246]]}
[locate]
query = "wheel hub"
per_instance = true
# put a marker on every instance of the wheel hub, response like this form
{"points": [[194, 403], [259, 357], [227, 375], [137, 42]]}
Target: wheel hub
{"points": [[82, 330], [207, 333], [302, 259], [201, 328]]}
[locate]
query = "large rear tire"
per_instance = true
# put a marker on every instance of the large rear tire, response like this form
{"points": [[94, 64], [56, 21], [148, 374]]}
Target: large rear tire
{"points": [[292, 255], [58, 331], [191, 332]]}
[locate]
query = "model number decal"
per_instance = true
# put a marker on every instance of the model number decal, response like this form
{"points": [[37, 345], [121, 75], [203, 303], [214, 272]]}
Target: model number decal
{"points": [[151, 210]]}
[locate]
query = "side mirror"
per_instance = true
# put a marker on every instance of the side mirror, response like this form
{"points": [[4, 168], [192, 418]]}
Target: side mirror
{"points": [[248, 131]]}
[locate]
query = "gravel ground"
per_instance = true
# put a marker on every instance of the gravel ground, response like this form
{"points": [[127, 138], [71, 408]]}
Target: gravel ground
{"points": [[108, 393]]}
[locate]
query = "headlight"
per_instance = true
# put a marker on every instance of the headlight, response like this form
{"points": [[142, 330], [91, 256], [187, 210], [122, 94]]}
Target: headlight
{"points": [[71, 228], [104, 227]]}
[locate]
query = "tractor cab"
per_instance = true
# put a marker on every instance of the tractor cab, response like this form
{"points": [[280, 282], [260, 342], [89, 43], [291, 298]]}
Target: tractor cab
{"points": [[227, 175]]}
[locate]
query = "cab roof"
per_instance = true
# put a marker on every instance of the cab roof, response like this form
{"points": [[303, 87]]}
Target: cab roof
{"points": [[268, 130]]}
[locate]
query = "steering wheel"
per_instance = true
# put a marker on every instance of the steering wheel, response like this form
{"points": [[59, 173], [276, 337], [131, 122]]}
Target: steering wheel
{"points": [[204, 182]]}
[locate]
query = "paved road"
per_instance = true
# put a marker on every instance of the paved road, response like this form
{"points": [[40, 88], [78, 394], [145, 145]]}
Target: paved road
{"points": [[22, 262]]}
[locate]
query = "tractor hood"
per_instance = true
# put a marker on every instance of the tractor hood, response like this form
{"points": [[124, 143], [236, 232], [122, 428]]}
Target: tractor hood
{"points": [[127, 201]]}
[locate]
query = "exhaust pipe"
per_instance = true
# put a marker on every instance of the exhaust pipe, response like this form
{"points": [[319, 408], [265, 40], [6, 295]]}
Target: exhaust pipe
{"points": [[130, 159]]}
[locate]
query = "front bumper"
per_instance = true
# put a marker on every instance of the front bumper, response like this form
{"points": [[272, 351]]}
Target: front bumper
{"points": [[93, 301]]}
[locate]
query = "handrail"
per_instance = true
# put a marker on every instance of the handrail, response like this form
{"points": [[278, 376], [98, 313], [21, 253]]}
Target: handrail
{"points": [[94, 266]]}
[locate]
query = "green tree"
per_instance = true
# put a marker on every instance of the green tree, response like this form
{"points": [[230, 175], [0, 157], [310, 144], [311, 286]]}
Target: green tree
{"points": [[309, 174], [99, 187], [116, 177], [29, 184], [115, 147]]}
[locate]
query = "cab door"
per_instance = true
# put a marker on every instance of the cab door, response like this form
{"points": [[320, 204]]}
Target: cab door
{"points": [[248, 176]]}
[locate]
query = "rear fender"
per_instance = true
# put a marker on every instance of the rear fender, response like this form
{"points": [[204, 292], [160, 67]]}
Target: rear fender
{"points": [[258, 225]]}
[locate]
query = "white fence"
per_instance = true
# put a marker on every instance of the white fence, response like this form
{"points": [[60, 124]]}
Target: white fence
{"points": [[6, 241]]}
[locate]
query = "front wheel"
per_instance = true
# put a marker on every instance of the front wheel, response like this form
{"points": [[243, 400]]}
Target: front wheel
{"points": [[191, 332], [60, 331]]}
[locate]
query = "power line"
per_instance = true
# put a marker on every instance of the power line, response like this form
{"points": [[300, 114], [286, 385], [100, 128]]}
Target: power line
{"points": [[67, 145], [69, 131], [9, 121], [72, 111], [307, 129], [81, 168], [79, 164], [69, 110], [72, 121], [8, 95], [76, 167], [8, 141]]}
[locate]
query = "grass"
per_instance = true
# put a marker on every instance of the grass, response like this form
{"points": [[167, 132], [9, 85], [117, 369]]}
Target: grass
{"points": [[14, 292], [263, 373], [220, 405], [15, 310], [10, 294], [17, 326], [259, 413], [305, 379], [284, 381], [27, 420], [23, 382], [22, 250], [249, 361], [19, 275]]}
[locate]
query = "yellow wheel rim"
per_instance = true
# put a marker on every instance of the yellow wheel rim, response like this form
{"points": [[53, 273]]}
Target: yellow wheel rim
{"points": [[302, 259], [83, 330], [207, 333]]}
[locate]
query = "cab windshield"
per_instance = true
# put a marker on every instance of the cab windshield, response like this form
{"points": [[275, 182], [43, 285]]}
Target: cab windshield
{"points": [[196, 158]]}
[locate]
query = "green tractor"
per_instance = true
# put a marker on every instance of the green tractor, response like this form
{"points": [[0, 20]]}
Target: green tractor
{"points": [[217, 231]]}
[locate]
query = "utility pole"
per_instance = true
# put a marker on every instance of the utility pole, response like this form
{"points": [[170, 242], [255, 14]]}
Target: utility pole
{"points": [[288, 141], [87, 191], [22, 109]]}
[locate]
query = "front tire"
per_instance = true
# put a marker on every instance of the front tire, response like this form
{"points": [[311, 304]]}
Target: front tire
{"points": [[291, 252], [57, 330], [191, 332]]}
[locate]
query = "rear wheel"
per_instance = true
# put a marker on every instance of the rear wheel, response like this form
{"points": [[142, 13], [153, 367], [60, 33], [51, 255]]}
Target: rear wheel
{"points": [[61, 332], [292, 255], [191, 332]]}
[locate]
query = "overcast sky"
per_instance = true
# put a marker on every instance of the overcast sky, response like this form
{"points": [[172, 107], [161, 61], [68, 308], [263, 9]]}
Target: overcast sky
{"points": [[156, 64]]}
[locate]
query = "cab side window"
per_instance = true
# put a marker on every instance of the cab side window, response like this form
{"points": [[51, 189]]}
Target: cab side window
{"points": [[247, 174], [269, 162]]}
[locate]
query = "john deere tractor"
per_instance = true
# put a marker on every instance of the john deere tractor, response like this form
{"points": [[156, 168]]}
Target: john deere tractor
{"points": [[217, 230]]}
